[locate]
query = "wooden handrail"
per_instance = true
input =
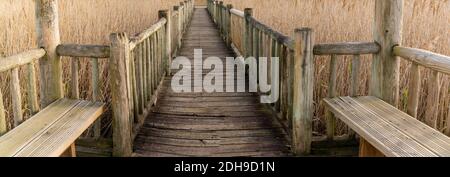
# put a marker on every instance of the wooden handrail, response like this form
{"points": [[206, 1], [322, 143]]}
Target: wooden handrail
{"points": [[281, 38], [346, 48], [237, 12], [425, 58], [20, 59], [77, 50], [147, 33]]}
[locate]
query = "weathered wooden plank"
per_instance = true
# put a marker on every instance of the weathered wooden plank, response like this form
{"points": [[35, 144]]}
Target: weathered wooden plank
{"points": [[424, 58], [16, 97], [3, 120], [414, 90], [20, 59], [147, 33], [78, 50], [331, 120], [347, 48], [303, 91], [97, 127], [434, 87], [32, 89]]}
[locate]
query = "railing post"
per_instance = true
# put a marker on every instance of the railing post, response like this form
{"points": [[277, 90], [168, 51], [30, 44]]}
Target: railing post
{"points": [[228, 35], [385, 67], [177, 8], [49, 38], [221, 24], [248, 12], [303, 91], [168, 48], [118, 69]]}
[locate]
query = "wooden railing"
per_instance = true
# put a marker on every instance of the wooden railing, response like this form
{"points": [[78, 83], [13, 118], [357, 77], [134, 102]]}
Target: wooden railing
{"points": [[250, 37], [136, 65], [437, 63], [12, 64], [137, 69]]}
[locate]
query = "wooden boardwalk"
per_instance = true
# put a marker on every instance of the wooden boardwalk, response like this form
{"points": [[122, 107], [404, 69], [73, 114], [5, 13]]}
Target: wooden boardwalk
{"points": [[209, 124]]}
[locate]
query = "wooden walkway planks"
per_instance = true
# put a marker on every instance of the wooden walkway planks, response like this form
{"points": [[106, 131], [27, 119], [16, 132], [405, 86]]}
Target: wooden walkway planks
{"points": [[209, 124]]}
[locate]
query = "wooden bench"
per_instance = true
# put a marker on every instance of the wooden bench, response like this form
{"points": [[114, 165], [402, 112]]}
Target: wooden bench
{"points": [[387, 131], [51, 132]]}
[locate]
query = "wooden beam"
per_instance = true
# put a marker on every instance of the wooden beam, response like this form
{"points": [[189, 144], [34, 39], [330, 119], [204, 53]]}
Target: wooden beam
{"points": [[77, 50], [16, 97], [414, 90], [147, 33], [303, 91], [20, 59], [346, 48], [425, 58], [385, 66], [48, 38], [118, 68]]}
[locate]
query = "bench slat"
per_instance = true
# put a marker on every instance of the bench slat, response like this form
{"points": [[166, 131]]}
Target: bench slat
{"points": [[377, 131], [58, 137], [425, 135], [19, 137]]}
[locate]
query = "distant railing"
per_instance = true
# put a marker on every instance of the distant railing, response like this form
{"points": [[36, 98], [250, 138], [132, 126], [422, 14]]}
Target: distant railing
{"points": [[137, 69], [251, 37]]}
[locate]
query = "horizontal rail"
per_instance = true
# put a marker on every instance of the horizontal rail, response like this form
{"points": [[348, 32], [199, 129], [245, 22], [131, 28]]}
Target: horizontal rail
{"points": [[347, 48], [237, 12], [76, 50], [20, 59], [147, 33], [434, 61], [281, 38]]}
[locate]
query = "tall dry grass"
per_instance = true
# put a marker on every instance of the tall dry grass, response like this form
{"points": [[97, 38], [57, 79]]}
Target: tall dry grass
{"points": [[81, 22], [426, 26]]}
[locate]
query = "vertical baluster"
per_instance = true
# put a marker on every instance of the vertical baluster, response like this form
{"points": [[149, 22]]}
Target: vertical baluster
{"points": [[149, 68], [32, 89], [414, 90], [74, 82], [134, 84], [16, 97], [154, 48], [96, 94], [144, 72], [331, 120], [356, 64], [431, 115], [139, 78], [3, 121]]}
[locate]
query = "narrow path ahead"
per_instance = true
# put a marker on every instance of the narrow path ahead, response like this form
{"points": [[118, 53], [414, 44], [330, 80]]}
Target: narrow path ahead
{"points": [[209, 124]]}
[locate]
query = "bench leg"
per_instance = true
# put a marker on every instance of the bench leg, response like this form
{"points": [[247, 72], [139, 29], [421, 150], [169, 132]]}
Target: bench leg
{"points": [[70, 152], [367, 150]]}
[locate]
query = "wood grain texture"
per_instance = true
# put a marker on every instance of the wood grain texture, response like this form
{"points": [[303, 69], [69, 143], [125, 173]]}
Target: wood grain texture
{"points": [[208, 124], [77, 50], [20, 59], [424, 58], [48, 38], [120, 57], [303, 84], [347, 48], [16, 97], [387, 32], [388, 129]]}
